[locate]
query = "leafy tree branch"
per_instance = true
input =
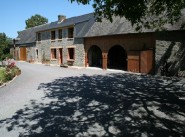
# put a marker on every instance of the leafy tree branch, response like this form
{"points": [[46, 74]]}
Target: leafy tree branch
{"points": [[147, 13], [35, 20]]}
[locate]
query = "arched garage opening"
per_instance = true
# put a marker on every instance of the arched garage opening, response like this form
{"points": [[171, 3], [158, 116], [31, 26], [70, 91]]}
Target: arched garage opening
{"points": [[117, 58], [95, 57]]}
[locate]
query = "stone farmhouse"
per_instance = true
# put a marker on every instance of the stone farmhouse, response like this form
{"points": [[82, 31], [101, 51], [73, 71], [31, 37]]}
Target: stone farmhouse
{"points": [[81, 41]]}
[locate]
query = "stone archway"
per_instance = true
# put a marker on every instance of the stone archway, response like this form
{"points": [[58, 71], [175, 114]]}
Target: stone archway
{"points": [[117, 58], [95, 57]]}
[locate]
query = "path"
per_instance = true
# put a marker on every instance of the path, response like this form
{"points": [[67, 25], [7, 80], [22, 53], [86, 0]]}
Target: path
{"points": [[55, 102]]}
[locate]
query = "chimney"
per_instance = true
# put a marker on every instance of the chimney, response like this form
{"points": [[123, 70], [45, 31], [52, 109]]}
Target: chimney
{"points": [[61, 18]]}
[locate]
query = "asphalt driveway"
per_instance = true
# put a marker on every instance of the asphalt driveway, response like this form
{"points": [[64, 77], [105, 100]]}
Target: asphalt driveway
{"points": [[49, 101]]}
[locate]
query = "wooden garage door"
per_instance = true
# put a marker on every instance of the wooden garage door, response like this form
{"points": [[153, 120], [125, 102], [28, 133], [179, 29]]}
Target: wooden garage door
{"points": [[146, 61], [133, 61], [23, 53], [141, 61]]}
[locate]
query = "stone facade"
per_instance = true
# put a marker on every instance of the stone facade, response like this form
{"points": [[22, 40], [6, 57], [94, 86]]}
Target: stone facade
{"points": [[46, 45], [168, 46], [31, 54], [170, 49], [116, 45]]}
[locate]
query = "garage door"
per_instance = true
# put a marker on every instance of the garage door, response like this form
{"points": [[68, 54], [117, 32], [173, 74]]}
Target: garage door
{"points": [[23, 53]]}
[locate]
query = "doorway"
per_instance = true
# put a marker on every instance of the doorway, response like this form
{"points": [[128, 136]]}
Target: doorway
{"points": [[60, 58], [117, 58], [95, 57]]}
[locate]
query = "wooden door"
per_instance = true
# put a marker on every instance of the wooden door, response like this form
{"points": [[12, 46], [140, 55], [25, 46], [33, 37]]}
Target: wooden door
{"points": [[133, 61], [60, 59], [146, 61], [23, 53]]}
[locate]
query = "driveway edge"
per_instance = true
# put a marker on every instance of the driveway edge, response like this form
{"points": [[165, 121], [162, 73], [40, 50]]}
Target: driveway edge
{"points": [[4, 84]]}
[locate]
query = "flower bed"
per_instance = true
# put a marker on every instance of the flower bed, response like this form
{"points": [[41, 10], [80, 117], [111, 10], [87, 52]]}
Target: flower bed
{"points": [[8, 72]]}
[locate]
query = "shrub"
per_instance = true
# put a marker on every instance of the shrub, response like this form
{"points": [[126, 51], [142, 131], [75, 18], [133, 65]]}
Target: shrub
{"points": [[9, 56], [2, 75], [8, 73], [11, 64], [8, 76]]}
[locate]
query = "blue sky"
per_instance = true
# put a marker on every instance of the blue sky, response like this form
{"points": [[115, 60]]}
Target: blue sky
{"points": [[13, 13]]}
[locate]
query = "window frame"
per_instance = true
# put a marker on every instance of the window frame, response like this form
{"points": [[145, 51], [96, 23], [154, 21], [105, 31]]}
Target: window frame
{"points": [[69, 54], [60, 36], [53, 35], [39, 37], [71, 32], [53, 53]]}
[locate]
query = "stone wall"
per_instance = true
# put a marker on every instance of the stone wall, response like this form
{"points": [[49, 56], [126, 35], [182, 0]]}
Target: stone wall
{"points": [[31, 54], [79, 52], [15, 53], [170, 48], [44, 47], [46, 44]]}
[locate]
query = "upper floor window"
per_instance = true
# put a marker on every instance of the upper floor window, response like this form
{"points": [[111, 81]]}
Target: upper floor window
{"points": [[53, 35], [38, 36], [70, 32], [60, 34]]}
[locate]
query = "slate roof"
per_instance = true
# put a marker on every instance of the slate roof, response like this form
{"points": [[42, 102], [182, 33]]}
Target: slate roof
{"points": [[85, 26], [81, 24], [67, 22], [27, 36], [118, 26], [82, 28], [123, 26]]}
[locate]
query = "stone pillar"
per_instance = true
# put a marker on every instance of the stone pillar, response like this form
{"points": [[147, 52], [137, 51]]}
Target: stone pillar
{"points": [[104, 60]]}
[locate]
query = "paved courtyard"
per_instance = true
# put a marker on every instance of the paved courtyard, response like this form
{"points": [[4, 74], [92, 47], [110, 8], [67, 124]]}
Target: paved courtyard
{"points": [[49, 101]]}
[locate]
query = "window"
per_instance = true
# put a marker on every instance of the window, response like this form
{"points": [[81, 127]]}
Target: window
{"points": [[71, 53], [52, 35], [70, 32], [37, 53], [53, 53], [38, 36], [60, 34]]}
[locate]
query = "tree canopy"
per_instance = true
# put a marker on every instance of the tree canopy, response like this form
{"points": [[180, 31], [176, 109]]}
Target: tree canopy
{"points": [[148, 13], [35, 20], [4, 46]]}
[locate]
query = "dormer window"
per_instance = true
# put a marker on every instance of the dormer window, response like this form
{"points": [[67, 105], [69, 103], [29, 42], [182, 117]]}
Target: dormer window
{"points": [[38, 36], [53, 35], [71, 32]]}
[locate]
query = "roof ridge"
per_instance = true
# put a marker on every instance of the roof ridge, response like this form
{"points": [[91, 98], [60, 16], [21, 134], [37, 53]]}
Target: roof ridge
{"points": [[80, 15], [56, 21], [34, 27]]}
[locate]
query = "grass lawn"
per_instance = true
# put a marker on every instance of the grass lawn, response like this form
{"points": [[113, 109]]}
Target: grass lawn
{"points": [[2, 75]]}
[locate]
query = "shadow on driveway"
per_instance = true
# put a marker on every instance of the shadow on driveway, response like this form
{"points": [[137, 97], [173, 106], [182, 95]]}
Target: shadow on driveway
{"points": [[111, 105]]}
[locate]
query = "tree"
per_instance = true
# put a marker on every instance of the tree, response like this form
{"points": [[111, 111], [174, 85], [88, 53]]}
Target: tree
{"points": [[35, 20], [5, 43], [147, 13]]}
